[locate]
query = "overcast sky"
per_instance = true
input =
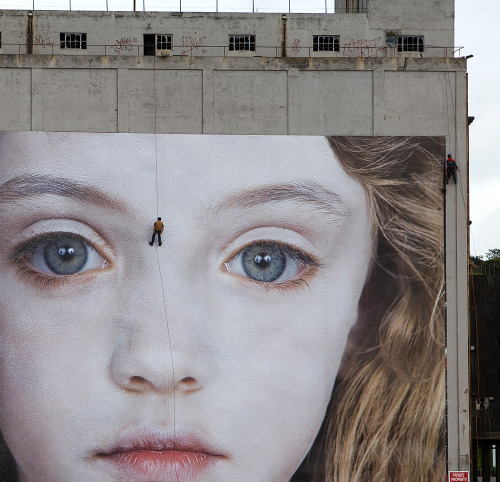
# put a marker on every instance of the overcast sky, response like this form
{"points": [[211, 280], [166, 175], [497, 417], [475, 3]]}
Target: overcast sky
{"points": [[475, 26], [476, 23]]}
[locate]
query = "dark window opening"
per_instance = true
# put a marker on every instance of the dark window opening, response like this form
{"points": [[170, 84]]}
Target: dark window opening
{"points": [[410, 43], [242, 42], [149, 44], [73, 40], [155, 42], [355, 6], [326, 43], [164, 42], [0, 40]]}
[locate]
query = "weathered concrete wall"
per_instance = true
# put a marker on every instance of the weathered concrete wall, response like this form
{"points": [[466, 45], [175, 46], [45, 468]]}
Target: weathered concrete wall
{"points": [[231, 95], [207, 34], [434, 17]]}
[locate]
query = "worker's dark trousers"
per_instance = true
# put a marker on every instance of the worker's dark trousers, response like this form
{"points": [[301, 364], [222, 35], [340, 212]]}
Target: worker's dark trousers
{"points": [[154, 235], [452, 173]]}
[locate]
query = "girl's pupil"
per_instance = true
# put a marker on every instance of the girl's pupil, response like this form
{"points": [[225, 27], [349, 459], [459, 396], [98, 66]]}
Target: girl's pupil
{"points": [[263, 262], [66, 255]]}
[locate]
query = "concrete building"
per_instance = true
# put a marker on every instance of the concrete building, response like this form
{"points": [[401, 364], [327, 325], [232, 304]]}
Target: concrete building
{"points": [[377, 68], [353, 74], [485, 360]]}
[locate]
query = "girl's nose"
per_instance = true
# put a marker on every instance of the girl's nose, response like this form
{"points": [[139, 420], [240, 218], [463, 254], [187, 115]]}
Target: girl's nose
{"points": [[142, 360], [158, 346]]}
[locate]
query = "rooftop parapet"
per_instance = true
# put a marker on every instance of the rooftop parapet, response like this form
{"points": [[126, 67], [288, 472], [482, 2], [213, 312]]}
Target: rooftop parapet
{"points": [[271, 35]]}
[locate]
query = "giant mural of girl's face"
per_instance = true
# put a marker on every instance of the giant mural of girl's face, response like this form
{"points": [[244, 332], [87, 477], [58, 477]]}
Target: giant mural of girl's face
{"points": [[210, 358]]}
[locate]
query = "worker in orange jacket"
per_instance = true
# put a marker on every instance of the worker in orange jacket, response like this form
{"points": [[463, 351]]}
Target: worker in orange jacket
{"points": [[157, 230]]}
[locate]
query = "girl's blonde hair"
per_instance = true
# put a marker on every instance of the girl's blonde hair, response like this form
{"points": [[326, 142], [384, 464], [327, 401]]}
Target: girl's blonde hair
{"points": [[386, 418]]}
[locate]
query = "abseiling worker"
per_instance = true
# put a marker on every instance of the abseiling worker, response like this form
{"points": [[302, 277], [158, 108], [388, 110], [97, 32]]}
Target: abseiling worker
{"points": [[451, 169], [157, 230]]}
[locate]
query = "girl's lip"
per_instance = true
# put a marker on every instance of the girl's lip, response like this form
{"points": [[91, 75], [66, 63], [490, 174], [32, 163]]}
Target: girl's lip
{"points": [[147, 456]]}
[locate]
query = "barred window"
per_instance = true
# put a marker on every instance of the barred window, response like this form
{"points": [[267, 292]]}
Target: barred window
{"points": [[73, 40], [326, 43], [164, 42], [242, 42], [410, 43]]}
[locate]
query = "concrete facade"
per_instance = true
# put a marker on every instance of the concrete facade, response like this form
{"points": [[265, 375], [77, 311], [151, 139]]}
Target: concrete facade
{"points": [[283, 87], [349, 96], [207, 34]]}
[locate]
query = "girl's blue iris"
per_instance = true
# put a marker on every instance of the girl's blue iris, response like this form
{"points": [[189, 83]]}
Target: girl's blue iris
{"points": [[263, 262], [65, 255]]}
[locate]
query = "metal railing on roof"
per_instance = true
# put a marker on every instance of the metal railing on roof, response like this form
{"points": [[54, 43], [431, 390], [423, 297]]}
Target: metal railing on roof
{"points": [[194, 48], [262, 6]]}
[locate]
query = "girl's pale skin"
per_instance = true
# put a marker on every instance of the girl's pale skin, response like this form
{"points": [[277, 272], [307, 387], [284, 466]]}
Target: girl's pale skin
{"points": [[177, 339]]}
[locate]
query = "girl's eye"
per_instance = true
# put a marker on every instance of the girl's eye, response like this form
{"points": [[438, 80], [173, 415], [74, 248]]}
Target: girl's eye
{"points": [[61, 254], [263, 262], [269, 261]]}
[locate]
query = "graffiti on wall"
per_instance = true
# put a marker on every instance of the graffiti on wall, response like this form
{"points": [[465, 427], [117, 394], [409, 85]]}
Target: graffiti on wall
{"points": [[125, 44], [363, 48], [191, 43], [43, 41], [295, 46]]}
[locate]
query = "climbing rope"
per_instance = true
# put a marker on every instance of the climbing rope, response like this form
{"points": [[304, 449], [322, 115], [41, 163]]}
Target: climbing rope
{"points": [[158, 262]]}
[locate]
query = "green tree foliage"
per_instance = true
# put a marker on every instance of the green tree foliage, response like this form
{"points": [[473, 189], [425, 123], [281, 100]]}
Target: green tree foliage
{"points": [[493, 254], [487, 264]]}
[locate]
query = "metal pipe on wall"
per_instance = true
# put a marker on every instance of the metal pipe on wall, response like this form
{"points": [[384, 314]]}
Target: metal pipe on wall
{"points": [[30, 32]]}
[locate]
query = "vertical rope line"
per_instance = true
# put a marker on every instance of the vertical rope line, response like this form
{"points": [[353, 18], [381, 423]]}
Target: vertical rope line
{"points": [[159, 266], [156, 140], [460, 186], [454, 112], [445, 205], [445, 287], [459, 222], [465, 232], [170, 346]]}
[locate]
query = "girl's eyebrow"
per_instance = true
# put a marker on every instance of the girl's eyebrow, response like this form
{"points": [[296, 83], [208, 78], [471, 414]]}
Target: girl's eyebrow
{"points": [[310, 193], [27, 185]]}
